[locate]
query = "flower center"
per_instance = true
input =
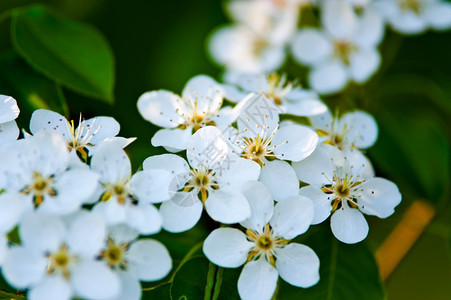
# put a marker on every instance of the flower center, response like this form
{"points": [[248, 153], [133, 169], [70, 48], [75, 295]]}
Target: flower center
{"points": [[265, 244], [343, 189], [40, 187], [60, 261], [278, 87], [120, 191], [257, 148], [114, 254], [343, 50], [201, 180], [411, 5], [188, 110]]}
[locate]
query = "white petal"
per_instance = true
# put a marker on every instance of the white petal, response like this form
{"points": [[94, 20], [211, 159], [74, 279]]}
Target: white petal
{"points": [[53, 156], [122, 233], [113, 212], [237, 172], [94, 280], [439, 15], [322, 121], [43, 119], [329, 77], [177, 218], [151, 186], [408, 22], [298, 265], [321, 202], [311, 46], [257, 281], [349, 225], [300, 102], [364, 63], [98, 129], [8, 109], [378, 197], [9, 132], [261, 203], [159, 108], [205, 91], [174, 140], [42, 232], [3, 248], [362, 128], [86, 234], [338, 18], [24, 267], [257, 115], [207, 148], [143, 217], [227, 247], [112, 163], [294, 142], [227, 206], [253, 83], [232, 93], [292, 217], [73, 187], [371, 27], [318, 168], [149, 260], [130, 287], [174, 163], [280, 178], [12, 206], [51, 288]]}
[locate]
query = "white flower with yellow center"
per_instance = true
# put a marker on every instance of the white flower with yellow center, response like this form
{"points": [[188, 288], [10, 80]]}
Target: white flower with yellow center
{"points": [[260, 139], [127, 199], [344, 50], [416, 16], [265, 248], [9, 111], [134, 260], [340, 188], [57, 259], [34, 174], [85, 137], [290, 98], [351, 132], [211, 182], [199, 106]]}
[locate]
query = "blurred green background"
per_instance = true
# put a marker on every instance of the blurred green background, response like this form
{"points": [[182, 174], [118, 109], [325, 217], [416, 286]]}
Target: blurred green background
{"points": [[161, 44]]}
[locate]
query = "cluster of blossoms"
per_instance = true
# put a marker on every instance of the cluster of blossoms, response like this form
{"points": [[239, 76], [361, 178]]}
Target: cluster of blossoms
{"points": [[263, 181], [83, 218], [340, 47], [71, 212]]}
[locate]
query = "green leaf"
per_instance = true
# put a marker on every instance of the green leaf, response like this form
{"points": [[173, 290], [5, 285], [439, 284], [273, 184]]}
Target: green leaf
{"points": [[413, 148], [347, 272], [29, 88], [190, 280], [73, 54]]}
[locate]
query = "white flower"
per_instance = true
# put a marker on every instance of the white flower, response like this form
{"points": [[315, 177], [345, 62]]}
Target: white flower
{"points": [[180, 117], [212, 181], [260, 139], [34, 173], [290, 98], [89, 133], [9, 111], [134, 260], [265, 249], [350, 133], [57, 261], [344, 50], [339, 188], [416, 16], [129, 200]]}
